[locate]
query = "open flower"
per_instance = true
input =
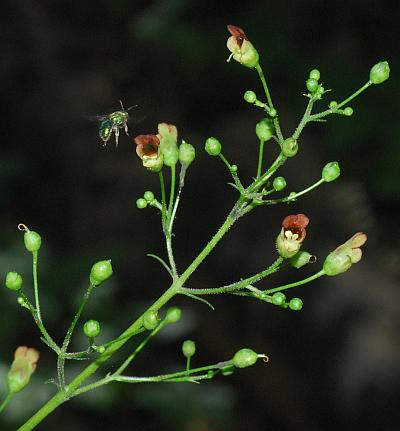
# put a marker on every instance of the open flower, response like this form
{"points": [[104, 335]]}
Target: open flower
{"points": [[23, 366], [147, 148], [343, 257], [242, 50], [292, 234]]}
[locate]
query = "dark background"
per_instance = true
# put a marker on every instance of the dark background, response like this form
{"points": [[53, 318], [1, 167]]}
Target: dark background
{"points": [[335, 365]]}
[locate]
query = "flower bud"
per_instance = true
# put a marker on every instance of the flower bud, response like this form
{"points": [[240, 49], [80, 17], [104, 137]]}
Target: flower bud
{"points": [[296, 304], [314, 74], [331, 171], [245, 358], [279, 183], [148, 196], [265, 129], [241, 48], [188, 348], [187, 153], [168, 135], [292, 235], [23, 366], [173, 315], [312, 85], [150, 319], [32, 240], [289, 147], [348, 112], [333, 104], [13, 281], [100, 272], [91, 328], [302, 258], [343, 257], [249, 96], [141, 203], [278, 298], [213, 147], [380, 72]]}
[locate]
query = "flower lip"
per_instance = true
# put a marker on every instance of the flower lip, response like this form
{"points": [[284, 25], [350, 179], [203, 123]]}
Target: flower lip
{"points": [[296, 224], [238, 33], [147, 146]]}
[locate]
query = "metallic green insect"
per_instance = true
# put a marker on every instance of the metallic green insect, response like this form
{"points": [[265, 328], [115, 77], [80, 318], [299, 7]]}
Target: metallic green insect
{"points": [[111, 123]]}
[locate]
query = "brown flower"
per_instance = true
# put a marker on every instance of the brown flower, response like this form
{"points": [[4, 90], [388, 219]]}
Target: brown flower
{"points": [[241, 48], [292, 234], [147, 148]]}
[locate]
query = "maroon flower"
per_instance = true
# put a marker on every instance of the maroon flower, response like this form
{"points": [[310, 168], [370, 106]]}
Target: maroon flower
{"points": [[292, 234], [241, 48], [147, 148]]}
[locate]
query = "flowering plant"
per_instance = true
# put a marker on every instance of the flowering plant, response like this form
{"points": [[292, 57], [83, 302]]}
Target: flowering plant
{"points": [[161, 154]]}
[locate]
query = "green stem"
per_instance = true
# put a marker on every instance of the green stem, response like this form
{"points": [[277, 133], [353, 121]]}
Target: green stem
{"points": [[271, 105], [67, 339], [259, 182], [36, 284], [332, 111], [294, 196], [163, 198], [260, 158], [60, 397], [242, 284], [304, 120], [49, 341], [297, 283], [138, 349], [172, 192], [187, 363], [6, 400]]}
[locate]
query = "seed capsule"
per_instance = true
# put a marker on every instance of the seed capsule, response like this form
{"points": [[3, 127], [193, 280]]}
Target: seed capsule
{"points": [[100, 272], [245, 358]]}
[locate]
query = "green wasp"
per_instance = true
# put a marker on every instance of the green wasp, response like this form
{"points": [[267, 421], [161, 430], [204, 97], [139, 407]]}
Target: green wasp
{"points": [[111, 123]]}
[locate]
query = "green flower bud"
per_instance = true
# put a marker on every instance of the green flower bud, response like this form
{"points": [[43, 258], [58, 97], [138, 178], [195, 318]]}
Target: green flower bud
{"points": [[333, 104], [13, 281], [314, 74], [344, 256], [168, 135], [348, 111], [150, 319], [149, 196], [187, 153], [272, 113], [289, 147], [213, 147], [100, 272], [91, 328], [312, 85], [23, 366], [249, 96], [245, 358], [141, 203], [380, 72], [265, 129], [32, 240], [302, 258], [234, 168], [279, 183], [188, 348], [173, 315], [331, 171], [101, 349], [278, 298], [296, 304]]}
